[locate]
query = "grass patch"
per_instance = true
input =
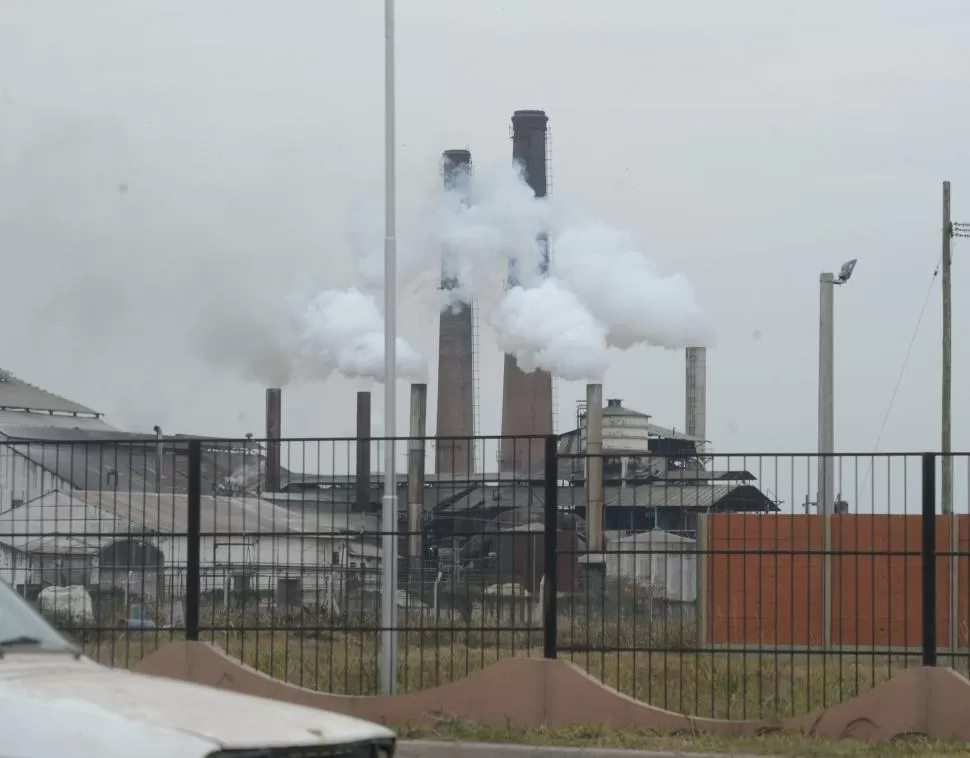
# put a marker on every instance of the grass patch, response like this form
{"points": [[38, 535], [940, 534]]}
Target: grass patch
{"points": [[771, 744]]}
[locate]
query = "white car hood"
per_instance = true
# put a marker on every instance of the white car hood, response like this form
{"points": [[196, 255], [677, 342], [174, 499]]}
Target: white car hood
{"points": [[58, 705]]}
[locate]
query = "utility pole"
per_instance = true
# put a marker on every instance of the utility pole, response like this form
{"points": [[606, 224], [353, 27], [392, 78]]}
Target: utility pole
{"points": [[945, 446], [951, 229], [946, 442]]}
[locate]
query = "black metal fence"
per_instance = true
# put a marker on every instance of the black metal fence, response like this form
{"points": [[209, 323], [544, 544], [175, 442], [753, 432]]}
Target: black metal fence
{"points": [[716, 585]]}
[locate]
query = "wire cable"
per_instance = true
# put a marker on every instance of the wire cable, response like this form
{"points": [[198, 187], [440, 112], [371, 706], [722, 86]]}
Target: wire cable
{"points": [[902, 372]]}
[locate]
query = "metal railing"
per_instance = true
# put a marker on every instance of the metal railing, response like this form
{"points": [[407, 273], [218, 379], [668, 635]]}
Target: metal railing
{"points": [[718, 590]]}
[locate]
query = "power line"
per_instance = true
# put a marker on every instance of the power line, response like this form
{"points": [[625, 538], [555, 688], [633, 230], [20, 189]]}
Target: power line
{"points": [[902, 372]]}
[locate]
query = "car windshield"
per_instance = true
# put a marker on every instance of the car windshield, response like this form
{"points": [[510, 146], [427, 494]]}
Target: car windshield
{"points": [[21, 625]]}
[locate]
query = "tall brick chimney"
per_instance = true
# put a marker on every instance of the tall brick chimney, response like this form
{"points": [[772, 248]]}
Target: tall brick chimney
{"points": [[527, 398], [456, 390]]}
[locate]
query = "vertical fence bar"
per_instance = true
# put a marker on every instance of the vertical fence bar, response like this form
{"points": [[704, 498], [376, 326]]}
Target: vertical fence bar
{"points": [[929, 559], [550, 542], [193, 578]]}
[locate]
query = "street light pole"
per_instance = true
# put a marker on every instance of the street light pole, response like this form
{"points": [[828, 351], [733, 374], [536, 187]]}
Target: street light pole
{"points": [[388, 659], [826, 427], [826, 392]]}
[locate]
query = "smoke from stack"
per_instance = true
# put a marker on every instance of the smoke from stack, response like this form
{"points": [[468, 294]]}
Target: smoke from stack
{"points": [[600, 291], [239, 311], [489, 240], [456, 390]]}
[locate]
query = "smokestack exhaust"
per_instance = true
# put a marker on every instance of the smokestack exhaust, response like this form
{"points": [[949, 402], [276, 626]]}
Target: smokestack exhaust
{"points": [[696, 392], [419, 414], [274, 427], [594, 467], [363, 451], [527, 398], [456, 372]]}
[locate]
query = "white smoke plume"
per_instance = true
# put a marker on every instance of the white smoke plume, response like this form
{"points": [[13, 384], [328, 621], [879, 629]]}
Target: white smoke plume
{"points": [[127, 260], [601, 292], [306, 336], [343, 331], [547, 327]]}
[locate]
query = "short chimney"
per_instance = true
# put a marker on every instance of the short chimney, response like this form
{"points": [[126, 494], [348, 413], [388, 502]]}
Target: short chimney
{"points": [[363, 451], [274, 425]]}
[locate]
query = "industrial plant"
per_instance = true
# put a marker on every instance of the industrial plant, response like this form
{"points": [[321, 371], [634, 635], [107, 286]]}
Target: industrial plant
{"points": [[617, 476]]}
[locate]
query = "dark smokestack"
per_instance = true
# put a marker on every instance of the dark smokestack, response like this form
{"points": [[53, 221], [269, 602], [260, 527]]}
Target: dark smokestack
{"points": [[419, 415], [274, 427], [456, 390], [527, 398], [363, 450]]}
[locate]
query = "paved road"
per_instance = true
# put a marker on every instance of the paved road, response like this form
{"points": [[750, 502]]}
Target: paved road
{"points": [[439, 749]]}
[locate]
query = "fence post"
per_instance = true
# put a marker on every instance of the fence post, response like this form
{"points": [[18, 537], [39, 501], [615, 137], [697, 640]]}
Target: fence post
{"points": [[550, 543], [193, 579], [929, 559]]}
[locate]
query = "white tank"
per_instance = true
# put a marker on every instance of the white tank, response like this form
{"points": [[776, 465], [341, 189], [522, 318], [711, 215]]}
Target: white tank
{"points": [[624, 429]]}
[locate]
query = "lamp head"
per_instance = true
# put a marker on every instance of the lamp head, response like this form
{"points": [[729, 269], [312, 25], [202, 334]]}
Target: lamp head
{"points": [[846, 271]]}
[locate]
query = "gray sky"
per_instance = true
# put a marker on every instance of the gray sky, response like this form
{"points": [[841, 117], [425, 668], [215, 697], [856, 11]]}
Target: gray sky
{"points": [[164, 165]]}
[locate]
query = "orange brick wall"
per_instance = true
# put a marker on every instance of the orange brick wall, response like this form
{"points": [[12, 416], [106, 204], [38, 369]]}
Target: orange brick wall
{"points": [[764, 580]]}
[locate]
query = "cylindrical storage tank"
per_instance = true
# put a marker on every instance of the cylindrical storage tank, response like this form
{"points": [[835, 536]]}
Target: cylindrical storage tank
{"points": [[624, 430]]}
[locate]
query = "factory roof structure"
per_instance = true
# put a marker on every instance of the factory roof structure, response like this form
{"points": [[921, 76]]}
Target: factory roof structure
{"points": [[94, 459], [94, 519], [18, 395]]}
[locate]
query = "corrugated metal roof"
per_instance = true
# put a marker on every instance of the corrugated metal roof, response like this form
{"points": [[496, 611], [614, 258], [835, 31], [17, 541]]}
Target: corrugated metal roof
{"points": [[702, 475], [16, 394], [17, 422], [318, 522], [107, 517], [97, 460], [669, 496]]}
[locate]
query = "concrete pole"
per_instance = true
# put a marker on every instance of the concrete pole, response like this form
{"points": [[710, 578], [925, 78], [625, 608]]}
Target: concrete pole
{"points": [[274, 424], [945, 447], [419, 415], [826, 392], [594, 468], [388, 660], [826, 438], [946, 442]]}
